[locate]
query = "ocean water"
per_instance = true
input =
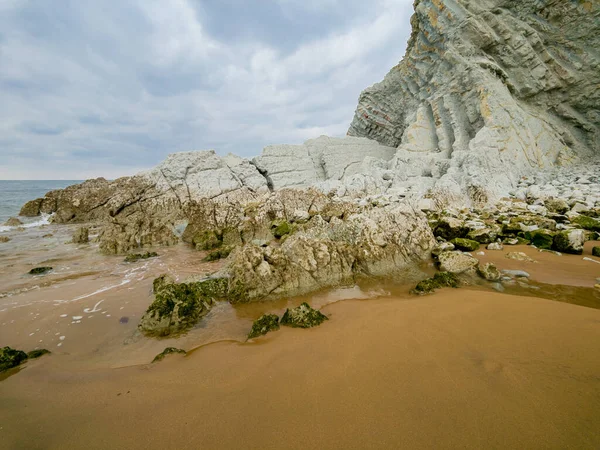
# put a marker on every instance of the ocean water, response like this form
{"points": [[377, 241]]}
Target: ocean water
{"points": [[15, 193]]}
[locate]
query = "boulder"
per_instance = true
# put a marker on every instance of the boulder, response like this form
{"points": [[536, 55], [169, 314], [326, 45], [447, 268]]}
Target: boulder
{"points": [[596, 251], [556, 205], [449, 228], [442, 247], [263, 325], [569, 241], [303, 316], [587, 223], [40, 270], [542, 239], [456, 262], [483, 235], [179, 306]]}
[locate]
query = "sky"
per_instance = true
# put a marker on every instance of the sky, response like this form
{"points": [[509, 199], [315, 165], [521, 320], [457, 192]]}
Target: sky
{"points": [[107, 88]]}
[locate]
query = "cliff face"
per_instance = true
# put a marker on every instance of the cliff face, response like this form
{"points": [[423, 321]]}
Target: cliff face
{"points": [[489, 91]]}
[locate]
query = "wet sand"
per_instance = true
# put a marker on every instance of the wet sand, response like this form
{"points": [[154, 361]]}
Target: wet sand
{"points": [[444, 371], [467, 368]]}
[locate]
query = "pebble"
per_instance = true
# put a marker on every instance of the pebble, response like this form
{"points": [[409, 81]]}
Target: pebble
{"points": [[516, 273]]}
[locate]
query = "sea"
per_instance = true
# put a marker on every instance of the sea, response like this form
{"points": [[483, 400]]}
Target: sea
{"points": [[15, 193]]}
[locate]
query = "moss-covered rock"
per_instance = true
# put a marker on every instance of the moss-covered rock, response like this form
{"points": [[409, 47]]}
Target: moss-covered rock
{"points": [[161, 281], [466, 245], [10, 358], [281, 229], [33, 354], [556, 205], [134, 257], [168, 351], [263, 325], [220, 253], [569, 241], [207, 240], [303, 316], [587, 223], [40, 270], [488, 272], [483, 235], [449, 228], [541, 238], [596, 251], [178, 306], [438, 281]]}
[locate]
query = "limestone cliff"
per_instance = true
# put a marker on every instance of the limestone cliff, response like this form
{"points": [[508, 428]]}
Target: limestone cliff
{"points": [[488, 91]]}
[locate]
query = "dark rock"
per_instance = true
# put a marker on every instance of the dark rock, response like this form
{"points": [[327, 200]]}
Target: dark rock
{"points": [[596, 251], [10, 358], [134, 257], [13, 222], [450, 228], [168, 351], [541, 238], [263, 325], [570, 241], [40, 270], [303, 316], [220, 253], [438, 281], [31, 208]]}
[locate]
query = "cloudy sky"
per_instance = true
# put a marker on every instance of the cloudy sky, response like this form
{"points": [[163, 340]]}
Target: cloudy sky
{"points": [[109, 87]]}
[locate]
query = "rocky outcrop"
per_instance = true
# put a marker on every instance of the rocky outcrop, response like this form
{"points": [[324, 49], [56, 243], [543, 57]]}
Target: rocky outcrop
{"points": [[488, 91]]}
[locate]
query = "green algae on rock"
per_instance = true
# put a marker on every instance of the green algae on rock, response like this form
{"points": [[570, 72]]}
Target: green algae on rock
{"points": [[596, 251], [81, 236], [134, 257], [570, 241], [303, 316], [542, 239], [456, 262], [10, 358], [587, 223], [488, 272], [438, 281], [40, 270], [207, 240], [178, 306], [466, 245], [168, 351], [263, 325], [281, 229]]}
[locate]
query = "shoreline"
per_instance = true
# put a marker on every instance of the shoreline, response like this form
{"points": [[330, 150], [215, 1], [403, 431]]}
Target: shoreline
{"points": [[321, 388]]}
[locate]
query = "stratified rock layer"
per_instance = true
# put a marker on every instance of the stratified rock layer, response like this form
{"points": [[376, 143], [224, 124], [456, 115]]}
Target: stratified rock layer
{"points": [[489, 91]]}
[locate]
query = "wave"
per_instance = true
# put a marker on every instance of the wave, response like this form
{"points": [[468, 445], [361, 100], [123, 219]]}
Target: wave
{"points": [[44, 220]]}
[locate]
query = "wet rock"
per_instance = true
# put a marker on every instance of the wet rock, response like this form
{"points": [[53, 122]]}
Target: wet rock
{"points": [[134, 257], [569, 241], [263, 325], [81, 236], [456, 262], [596, 251], [40, 270], [542, 239], [438, 281], [495, 246], [4, 239], [488, 272], [207, 240], [13, 222], [519, 256], [33, 354], [31, 208], [168, 351], [10, 358], [303, 316], [466, 245], [179, 306]]}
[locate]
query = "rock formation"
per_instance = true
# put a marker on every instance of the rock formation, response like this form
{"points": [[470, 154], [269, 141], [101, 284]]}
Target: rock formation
{"points": [[488, 91]]}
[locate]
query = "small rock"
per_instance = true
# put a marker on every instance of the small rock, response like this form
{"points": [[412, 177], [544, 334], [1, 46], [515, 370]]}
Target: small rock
{"points": [[13, 222], [596, 251], [516, 273], [40, 270], [495, 246], [10, 358], [37, 353], [263, 325], [439, 280], [168, 351], [4, 239], [303, 317], [466, 245], [137, 256], [488, 272], [519, 256], [442, 247]]}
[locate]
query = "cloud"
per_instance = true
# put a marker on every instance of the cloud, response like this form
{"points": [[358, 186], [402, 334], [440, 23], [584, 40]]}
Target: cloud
{"points": [[108, 88]]}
